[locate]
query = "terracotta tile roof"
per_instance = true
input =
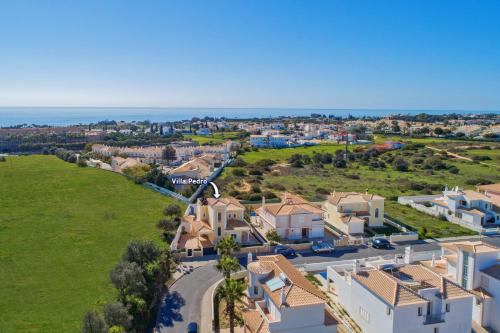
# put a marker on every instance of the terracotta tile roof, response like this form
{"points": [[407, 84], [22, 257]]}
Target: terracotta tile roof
{"points": [[194, 242], [255, 322], [387, 287], [346, 219], [493, 271], [230, 202], [470, 246], [299, 292], [351, 197], [440, 202], [235, 223], [473, 195], [290, 205], [397, 286], [489, 187]]}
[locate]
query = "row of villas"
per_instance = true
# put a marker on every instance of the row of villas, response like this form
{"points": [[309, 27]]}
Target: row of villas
{"points": [[293, 219], [456, 293]]}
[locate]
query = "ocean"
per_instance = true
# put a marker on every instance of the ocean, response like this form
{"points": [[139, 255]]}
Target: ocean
{"points": [[63, 116]]}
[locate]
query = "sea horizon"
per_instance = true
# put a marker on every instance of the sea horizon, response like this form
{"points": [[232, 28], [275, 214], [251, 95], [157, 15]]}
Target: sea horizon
{"points": [[65, 116]]}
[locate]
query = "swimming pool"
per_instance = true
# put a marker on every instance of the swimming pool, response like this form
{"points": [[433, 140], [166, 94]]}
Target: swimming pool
{"points": [[324, 275]]}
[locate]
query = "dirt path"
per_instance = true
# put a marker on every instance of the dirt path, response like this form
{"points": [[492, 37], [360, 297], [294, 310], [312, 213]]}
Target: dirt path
{"points": [[459, 156]]}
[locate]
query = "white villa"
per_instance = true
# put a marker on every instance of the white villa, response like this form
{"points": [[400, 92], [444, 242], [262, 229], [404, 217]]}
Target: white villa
{"points": [[283, 300], [470, 206], [475, 266], [401, 298], [270, 141], [212, 219], [293, 218], [350, 212]]}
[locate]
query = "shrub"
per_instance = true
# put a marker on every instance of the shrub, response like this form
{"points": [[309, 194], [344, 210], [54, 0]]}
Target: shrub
{"points": [[400, 165], [478, 181], [272, 236], [238, 172]]}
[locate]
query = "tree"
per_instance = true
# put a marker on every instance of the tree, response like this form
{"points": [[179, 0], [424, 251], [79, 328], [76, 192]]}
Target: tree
{"points": [[226, 245], [170, 210], [226, 265], [128, 278], [169, 153], [141, 252], [93, 323], [139, 311], [273, 236], [400, 164], [116, 314], [232, 291], [116, 329]]}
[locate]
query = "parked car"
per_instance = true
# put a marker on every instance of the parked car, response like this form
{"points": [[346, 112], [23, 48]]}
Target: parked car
{"points": [[381, 243], [192, 328], [285, 250], [322, 247]]}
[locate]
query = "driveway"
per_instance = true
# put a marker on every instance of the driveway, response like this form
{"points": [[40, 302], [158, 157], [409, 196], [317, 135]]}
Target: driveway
{"points": [[182, 304]]}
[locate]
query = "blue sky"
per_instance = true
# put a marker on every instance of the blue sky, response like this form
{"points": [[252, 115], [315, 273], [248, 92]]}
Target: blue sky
{"points": [[261, 53]]}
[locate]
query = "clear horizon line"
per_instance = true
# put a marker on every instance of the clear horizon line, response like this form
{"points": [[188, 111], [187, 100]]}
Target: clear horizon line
{"points": [[251, 107]]}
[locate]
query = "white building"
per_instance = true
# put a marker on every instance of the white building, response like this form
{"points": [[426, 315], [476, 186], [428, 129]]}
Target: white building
{"points": [[148, 155], [471, 207], [293, 218], [403, 298], [270, 141], [474, 266], [283, 300]]}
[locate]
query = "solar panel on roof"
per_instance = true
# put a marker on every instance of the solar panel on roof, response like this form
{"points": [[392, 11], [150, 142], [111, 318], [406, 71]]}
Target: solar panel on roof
{"points": [[275, 284]]}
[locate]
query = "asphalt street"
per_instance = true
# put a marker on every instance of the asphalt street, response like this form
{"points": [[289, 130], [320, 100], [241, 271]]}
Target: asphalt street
{"points": [[182, 304]]}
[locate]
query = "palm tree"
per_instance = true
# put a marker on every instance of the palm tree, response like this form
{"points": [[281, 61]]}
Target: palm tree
{"points": [[232, 291], [225, 246], [226, 265]]}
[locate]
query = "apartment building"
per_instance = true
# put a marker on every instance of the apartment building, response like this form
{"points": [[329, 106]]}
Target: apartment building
{"points": [[351, 211], [185, 152], [283, 300], [148, 155], [209, 220], [404, 298], [270, 141], [475, 267], [294, 218]]}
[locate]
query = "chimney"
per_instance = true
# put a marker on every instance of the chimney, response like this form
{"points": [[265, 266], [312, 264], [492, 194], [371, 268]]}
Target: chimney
{"points": [[408, 255], [249, 258], [355, 266], [433, 261], [283, 296], [263, 201]]}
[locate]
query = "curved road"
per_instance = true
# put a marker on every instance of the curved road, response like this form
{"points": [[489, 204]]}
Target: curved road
{"points": [[182, 304]]}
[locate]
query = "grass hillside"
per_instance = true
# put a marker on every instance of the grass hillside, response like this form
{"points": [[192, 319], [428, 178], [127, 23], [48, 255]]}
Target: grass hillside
{"points": [[62, 230]]}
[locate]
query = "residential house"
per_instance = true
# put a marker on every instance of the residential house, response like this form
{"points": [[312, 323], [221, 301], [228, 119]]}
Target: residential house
{"points": [[198, 168], [270, 141], [209, 220], [293, 218], [148, 155], [474, 266], [401, 298], [351, 211], [468, 206], [283, 300]]}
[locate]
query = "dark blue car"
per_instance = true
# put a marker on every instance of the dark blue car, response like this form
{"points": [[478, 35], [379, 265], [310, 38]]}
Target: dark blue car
{"points": [[381, 243], [285, 251]]}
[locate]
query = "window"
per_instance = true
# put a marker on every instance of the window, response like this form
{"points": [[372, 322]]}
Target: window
{"points": [[219, 231], [255, 290], [448, 307], [436, 329], [364, 314], [485, 282], [465, 269], [376, 213], [388, 311], [419, 311], [234, 236], [219, 217]]}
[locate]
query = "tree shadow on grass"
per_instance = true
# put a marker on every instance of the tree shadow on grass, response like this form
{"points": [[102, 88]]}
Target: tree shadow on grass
{"points": [[170, 310]]}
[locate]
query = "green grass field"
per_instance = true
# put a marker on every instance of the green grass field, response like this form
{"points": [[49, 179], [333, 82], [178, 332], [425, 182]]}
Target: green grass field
{"points": [[216, 138], [62, 230], [311, 182], [281, 155]]}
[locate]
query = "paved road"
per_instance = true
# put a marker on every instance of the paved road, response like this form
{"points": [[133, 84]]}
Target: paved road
{"points": [[183, 303]]}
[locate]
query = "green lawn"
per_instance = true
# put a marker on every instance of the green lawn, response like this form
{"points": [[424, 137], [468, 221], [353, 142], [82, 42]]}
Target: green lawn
{"points": [[62, 230], [281, 155], [215, 138]]}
